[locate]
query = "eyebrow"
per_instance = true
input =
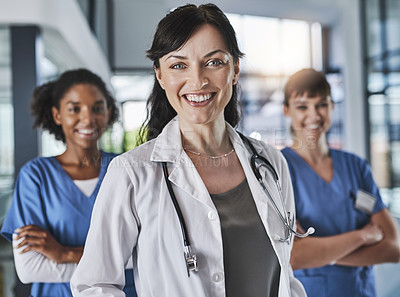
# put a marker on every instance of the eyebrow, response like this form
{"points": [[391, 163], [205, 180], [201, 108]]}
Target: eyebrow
{"points": [[77, 103], [322, 100], [206, 56]]}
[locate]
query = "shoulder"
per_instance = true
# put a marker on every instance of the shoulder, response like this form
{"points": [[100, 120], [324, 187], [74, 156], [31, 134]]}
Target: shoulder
{"points": [[107, 157], [261, 146], [37, 162], [287, 152], [39, 165], [348, 158], [133, 166], [293, 160], [36, 173], [270, 152], [135, 157]]}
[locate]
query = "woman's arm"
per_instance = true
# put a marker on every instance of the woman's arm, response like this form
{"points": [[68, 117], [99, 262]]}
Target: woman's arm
{"points": [[40, 240], [313, 251], [386, 250], [32, 266]]}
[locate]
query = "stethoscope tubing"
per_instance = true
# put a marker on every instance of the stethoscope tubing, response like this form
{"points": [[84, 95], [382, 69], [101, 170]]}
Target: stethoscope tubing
{"points": [[190, 258], [256, 171], [186, 240]]}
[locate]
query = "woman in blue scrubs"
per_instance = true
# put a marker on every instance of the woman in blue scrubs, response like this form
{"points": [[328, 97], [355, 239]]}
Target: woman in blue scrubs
{"points": [[336, 194], [53, 198]]}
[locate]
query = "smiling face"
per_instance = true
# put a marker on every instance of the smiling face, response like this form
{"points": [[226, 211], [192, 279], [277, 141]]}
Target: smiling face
{"points": [[311, 116], [83, 116], [198, 77]]}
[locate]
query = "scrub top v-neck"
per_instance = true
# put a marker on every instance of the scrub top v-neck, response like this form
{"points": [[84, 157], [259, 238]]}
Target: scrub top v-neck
{"points": [[329, 208]]}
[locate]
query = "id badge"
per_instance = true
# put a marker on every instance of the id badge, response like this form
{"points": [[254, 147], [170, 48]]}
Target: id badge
{"points": [[365, 202]]}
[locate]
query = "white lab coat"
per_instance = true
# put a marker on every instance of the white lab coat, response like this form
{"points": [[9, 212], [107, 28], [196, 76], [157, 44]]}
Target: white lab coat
{"points": [[134, 215]]}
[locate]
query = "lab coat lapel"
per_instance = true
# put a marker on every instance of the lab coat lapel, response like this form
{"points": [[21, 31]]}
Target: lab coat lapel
{"points": [[182, 172], [186, 177]]}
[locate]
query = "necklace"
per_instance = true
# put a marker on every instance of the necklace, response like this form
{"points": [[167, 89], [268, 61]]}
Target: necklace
{"points": [[211, 157]]}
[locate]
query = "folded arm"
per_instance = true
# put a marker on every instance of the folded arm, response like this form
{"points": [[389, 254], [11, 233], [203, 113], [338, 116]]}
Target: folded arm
{"points": [[40, 240], [311, 252], [33, 266], [386, 250]]}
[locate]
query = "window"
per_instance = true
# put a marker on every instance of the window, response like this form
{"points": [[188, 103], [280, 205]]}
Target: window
{"points": [[274, 49], [6, 125], [132, 91], [382, 72]]}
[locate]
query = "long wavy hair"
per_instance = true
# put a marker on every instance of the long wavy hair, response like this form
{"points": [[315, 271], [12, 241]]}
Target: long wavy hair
{"points": [[173, 31]]}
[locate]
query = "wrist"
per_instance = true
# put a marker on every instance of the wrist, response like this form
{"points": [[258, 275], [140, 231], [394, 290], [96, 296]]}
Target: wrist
{"points": [[71, 255], [363, 237]]}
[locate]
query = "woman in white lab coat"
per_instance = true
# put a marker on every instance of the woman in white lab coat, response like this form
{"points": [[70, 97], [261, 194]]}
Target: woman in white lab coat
{"points": [[233, 229]]}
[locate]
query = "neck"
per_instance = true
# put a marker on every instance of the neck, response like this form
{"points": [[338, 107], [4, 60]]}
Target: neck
{"points": [[209, 140], [312, 150], [90, 157]]}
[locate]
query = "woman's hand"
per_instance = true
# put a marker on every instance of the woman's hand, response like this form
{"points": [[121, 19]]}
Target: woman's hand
{"points": [[41, 241], [372, 233]]}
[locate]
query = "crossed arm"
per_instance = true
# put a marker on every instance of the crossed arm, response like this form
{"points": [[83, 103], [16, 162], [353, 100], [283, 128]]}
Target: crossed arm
{"points": [[39, 257], [377, 242]]}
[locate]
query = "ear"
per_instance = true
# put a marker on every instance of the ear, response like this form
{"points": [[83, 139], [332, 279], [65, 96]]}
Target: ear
{"points": [[332, 104], [109, 110], [56, 115], [236, 70], [158, 76], [285, 110]]}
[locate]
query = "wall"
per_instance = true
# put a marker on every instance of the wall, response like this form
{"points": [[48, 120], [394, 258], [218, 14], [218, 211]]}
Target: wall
{"points": [[64, 29]]}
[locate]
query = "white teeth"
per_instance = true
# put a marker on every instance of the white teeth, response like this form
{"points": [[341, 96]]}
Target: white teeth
{"points": [[198, 98], [313, 126], [84, 131]]}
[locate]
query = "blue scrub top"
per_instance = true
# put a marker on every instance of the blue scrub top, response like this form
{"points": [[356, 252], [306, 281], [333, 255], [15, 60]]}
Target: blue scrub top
{"points": [[329, 208], [47, 197]]}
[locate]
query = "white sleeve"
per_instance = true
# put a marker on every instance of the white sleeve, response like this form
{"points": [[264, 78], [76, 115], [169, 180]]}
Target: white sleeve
{"points": [[33, 267], [111, 238]]}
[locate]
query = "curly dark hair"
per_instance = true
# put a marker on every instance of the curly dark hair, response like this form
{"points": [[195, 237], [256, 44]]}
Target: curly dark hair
{"points": [[173, 31], [49, 94], [308, 81]]}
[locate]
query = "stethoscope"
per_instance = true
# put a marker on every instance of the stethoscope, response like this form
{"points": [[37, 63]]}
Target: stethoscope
{"points": [[256, 163]]}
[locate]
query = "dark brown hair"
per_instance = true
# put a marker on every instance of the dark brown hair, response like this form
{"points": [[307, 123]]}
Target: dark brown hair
{"points": [[173, 31], [49, 94]]}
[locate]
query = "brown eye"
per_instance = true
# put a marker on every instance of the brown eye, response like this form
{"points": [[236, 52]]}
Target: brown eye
{"points": [[74, 109], [98, 109]]}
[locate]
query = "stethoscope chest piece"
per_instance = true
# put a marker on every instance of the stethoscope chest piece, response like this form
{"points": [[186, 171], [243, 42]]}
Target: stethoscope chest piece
{"points": [[191, 261]]}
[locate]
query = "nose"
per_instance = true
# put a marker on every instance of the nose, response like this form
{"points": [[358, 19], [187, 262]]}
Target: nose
{"points": [[86, 116], [314, 113], [198, 78]]}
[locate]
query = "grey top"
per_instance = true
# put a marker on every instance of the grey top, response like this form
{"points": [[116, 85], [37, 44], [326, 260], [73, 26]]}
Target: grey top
{"points": [[251, 265]]}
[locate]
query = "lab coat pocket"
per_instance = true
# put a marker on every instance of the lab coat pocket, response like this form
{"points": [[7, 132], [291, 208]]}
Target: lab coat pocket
{"points": [[315, 286]]}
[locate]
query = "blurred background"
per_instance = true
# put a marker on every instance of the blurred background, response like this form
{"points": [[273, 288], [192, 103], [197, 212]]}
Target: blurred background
{"points": [[356, 42]]}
